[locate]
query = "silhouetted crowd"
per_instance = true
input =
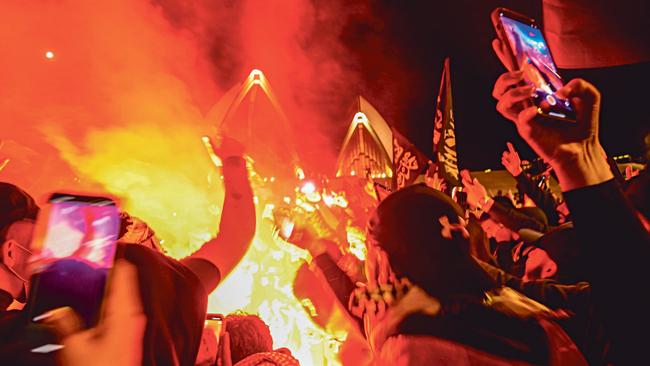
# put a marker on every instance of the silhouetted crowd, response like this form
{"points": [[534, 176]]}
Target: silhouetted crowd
{"points": [[487, 281]]}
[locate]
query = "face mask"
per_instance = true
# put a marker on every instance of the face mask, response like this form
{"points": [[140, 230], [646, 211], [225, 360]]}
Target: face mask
{"points": [[15, 273]]}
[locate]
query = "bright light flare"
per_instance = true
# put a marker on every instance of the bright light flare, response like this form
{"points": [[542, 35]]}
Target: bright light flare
{"points": [[328, 200], [360, 117], [357, 240], [286, 228], [300, 174], [49, 55], [334, 199], [310, 192], [256, 76], [308, 188], [305, 205]]}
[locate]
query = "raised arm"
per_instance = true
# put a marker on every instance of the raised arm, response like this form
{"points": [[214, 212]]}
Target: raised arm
{"points": [[237, 226], [616, 246], [511, 218], [575, 297], [325, 254], [543, 199], [514, 220]]}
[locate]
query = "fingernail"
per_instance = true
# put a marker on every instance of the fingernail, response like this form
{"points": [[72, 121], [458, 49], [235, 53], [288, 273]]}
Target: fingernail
{"points": [[46, 315], [52, 314]]}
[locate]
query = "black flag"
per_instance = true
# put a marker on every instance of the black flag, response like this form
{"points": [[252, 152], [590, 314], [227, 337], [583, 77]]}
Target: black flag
{"points": [[444, 136], [408, 162]]}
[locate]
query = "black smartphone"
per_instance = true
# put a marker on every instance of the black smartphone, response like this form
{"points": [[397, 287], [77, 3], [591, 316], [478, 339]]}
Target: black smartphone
{"points": [[460, 196], [530, 53], [74, 250]]}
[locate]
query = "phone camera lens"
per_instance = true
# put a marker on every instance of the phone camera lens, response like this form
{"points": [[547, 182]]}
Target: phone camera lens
{"points": [[551, 100]]}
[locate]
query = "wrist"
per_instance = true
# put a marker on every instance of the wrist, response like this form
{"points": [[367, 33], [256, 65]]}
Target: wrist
{"points": [[587, 166], [233, 160], [234, 167], [317, 247], [516, 172]]}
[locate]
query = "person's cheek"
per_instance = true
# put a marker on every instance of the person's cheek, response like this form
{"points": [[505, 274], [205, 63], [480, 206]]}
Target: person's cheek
{"points": [[504, 234], [550, 269], [531, 271], [539, 266]]}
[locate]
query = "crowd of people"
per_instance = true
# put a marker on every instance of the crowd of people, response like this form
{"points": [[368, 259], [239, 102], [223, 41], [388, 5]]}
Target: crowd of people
{"points": [[486, 282]]}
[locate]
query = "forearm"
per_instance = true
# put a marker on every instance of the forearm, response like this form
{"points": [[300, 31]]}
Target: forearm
{"points": [[512, 219], [556, 296], [615, 250], [341, 285], [610, 231], [336, 278], [543, 199], [237, 226], [586, 167]]}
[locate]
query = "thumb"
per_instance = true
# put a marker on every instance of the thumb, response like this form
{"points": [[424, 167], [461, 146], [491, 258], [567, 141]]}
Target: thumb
{"points": [[579, 88], [64, 321]]}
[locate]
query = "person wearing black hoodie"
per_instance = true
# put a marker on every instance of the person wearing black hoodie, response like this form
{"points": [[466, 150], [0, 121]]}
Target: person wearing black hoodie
{"points": [[614, 243]]}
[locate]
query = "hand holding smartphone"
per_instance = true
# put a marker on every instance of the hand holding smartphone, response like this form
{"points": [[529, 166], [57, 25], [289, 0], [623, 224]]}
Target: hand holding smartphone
{"points": [[215, 323], [528, 52], [74, 250]]}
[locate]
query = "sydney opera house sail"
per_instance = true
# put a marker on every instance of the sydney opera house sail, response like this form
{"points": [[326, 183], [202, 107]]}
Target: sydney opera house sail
{"points": [[251, 113], [367, 149]]}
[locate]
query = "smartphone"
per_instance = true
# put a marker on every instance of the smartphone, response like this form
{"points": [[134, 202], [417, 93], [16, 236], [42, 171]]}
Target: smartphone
{"points": [[530, 53], [74, 250], [214, 322], [460, 196]]}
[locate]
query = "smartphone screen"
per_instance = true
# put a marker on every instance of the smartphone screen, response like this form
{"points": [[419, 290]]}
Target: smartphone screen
{"points": [[214, 322], [534, 58], [74, 251]]}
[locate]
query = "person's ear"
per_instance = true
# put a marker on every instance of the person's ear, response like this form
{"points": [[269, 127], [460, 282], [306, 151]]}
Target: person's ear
{"points": [[8, 251]]}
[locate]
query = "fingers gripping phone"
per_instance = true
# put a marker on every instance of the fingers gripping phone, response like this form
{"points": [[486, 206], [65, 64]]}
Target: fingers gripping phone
{"points": [[75, 242], [216, 323], [530, 53]]}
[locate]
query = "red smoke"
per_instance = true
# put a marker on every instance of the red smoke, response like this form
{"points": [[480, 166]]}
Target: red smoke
{"points": [[161, 65], [119, 104]]}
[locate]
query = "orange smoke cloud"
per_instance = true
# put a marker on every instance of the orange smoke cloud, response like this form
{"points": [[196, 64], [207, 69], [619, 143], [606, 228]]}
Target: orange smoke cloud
{"points": [[117, 98], [296, 44], [113, 96]]}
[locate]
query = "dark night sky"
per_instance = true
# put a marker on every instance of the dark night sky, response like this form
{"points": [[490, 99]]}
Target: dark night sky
{"points": [[403, 45]]}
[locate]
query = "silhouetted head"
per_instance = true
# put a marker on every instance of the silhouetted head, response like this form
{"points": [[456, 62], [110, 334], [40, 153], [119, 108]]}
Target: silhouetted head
{"points": [[424, 234]]}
